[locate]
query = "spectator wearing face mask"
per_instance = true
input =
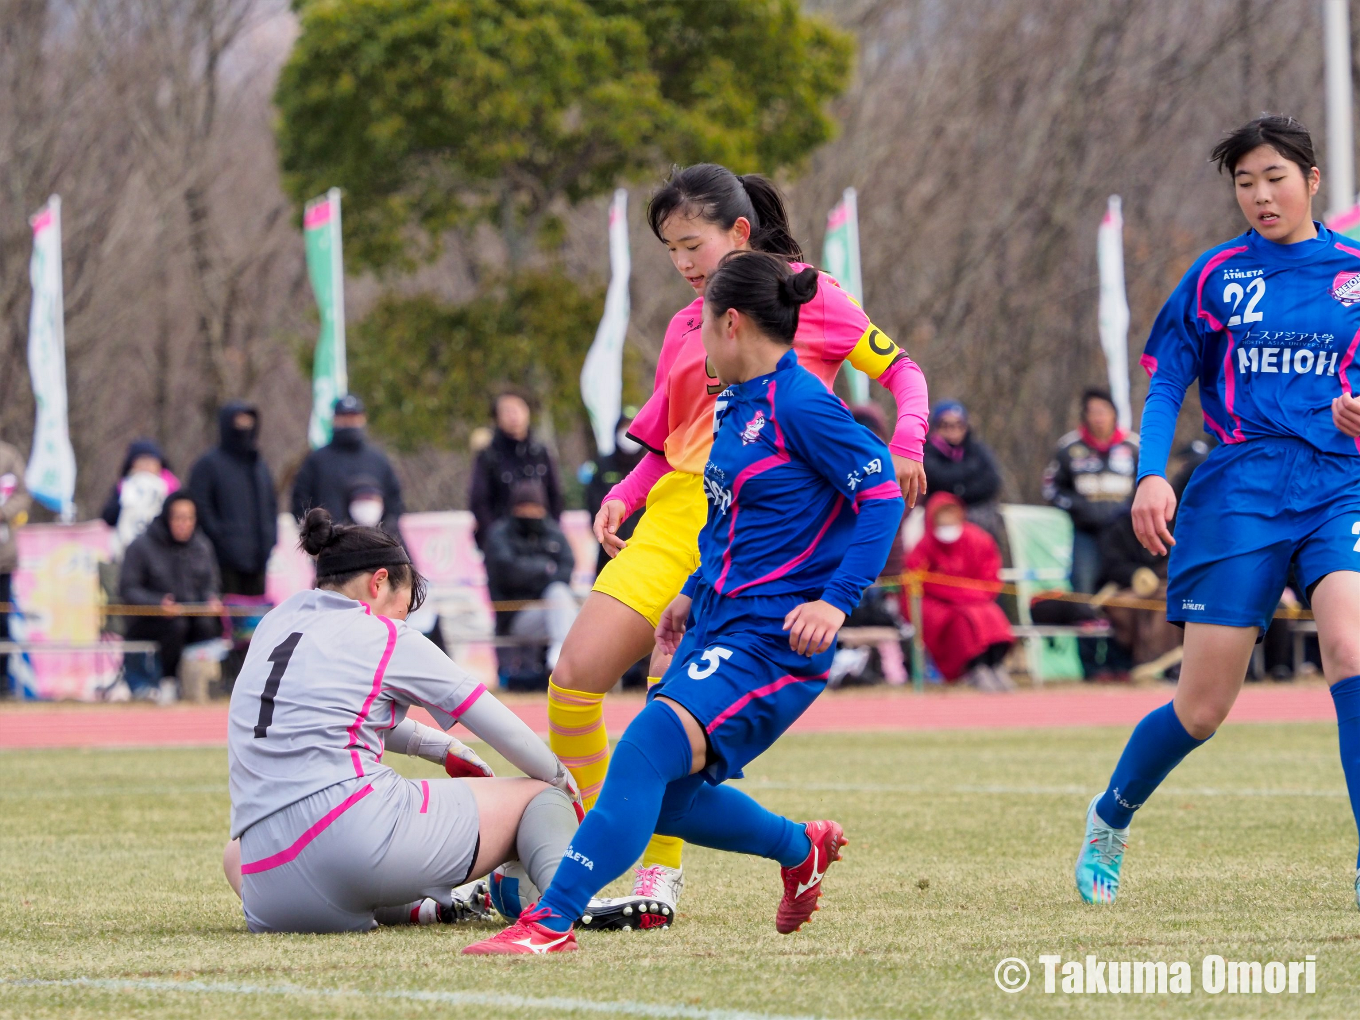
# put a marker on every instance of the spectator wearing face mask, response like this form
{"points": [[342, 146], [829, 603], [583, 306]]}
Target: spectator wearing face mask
{"points": [[607, 470], [957, 462], [328, 474], [528, 559], [237, 507], [512, 456], [137, 497], [170, 565], [964, 629]]}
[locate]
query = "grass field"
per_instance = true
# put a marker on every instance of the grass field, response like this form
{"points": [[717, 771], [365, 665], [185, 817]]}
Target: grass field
{"points": [[112, 901]]}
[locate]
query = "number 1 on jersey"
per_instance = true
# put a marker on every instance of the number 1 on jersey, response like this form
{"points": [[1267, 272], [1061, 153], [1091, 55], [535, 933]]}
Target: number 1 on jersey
{"points": [[279, 657], [1355, 530]]}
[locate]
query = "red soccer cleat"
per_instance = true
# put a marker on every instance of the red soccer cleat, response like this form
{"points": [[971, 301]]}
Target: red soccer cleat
{"points": [[526, 936], [803, 884]]}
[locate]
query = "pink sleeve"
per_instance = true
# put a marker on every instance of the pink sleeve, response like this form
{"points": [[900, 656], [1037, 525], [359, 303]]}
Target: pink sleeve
{"points": [[634, 488], [907, 383]]}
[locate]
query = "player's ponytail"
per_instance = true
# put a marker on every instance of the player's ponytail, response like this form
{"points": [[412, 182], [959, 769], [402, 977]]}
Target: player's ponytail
{"points": [[716, 194], [762, 286], [346, 551]]}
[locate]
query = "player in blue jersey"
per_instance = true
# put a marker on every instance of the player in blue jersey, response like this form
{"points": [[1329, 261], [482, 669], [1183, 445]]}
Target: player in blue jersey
{"points": [[1269, 324], [802, 511]]}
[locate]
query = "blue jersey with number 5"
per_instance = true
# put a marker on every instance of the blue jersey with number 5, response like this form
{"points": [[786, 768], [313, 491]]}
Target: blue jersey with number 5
{"points": [[802, 498], [1270, 331]]}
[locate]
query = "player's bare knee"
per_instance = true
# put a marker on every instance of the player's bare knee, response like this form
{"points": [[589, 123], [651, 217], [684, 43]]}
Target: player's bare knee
{"points": [[1202, 721]]}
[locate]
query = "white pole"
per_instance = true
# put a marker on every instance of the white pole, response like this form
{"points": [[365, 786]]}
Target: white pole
{"points": [[1336, 37]]}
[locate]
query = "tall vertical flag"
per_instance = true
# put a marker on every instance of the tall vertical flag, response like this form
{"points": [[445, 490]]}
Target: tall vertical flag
{"points": [[1114, 307], [326, 268], [602, 373], [840, 258], [51, 474]]}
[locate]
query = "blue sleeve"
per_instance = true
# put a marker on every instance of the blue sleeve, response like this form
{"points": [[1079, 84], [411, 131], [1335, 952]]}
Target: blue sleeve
{"points": [[857, 464], [1172, 360], [692, 583]]}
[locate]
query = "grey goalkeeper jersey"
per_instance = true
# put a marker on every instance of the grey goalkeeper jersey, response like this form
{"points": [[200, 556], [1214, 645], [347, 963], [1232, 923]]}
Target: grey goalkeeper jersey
{"points": [[324, 681]]}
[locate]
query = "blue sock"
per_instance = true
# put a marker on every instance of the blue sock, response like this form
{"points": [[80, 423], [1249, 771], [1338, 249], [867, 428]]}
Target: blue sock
{"points": [[724, 818], [1346, 695], [1156, 747], [653, 752]]}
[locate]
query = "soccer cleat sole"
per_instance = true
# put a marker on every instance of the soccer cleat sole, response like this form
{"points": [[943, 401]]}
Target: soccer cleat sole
{"points": [[629, 914]]}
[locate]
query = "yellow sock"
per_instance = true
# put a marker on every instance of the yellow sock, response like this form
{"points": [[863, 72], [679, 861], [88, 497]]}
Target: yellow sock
{"points": [[577, 736], [662, 849]]}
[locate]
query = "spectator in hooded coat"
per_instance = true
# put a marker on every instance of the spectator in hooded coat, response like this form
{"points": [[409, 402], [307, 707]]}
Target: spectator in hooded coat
{"points": [[955, 461], [964, 629], [144, 481], [172, 564], [328, 473], [513, 455], [237, 507]]}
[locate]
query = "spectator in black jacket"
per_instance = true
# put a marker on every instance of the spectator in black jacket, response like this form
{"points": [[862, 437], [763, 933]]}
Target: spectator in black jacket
{"points": [[528, 559], [237, 508], [963, 466], [512, 455], [172, 564], [329, 473], [1091, 477]]}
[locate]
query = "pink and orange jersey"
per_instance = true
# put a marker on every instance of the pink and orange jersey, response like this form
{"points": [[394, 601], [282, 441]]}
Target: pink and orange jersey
{"points": [[677, 420]]}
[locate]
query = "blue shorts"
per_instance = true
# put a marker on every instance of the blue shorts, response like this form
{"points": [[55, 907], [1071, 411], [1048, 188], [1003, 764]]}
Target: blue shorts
{"points": [[1251, 511], [736, 674]]}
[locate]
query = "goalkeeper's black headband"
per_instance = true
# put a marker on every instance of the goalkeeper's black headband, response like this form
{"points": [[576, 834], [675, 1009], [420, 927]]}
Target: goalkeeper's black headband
{"points": [[337, 564]]}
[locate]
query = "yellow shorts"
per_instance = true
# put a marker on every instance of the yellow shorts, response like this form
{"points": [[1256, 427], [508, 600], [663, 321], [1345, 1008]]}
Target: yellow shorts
{"points": [[664, 550]]}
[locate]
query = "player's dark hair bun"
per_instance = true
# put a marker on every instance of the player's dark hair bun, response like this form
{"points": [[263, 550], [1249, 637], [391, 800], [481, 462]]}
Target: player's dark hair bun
{"points": [[764, 288], [317, 531], [345, 551], [799, 288]]}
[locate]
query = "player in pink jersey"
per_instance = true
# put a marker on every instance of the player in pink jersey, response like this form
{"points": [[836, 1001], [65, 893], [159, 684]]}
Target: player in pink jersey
{"points": [[701, 214]]}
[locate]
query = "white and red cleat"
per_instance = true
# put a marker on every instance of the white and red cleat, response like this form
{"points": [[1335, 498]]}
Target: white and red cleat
{"points": [[803, 884], [525, 936]]}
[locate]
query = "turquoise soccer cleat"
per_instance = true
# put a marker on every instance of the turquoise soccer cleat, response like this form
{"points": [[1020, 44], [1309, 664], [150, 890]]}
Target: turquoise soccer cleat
{"points": [[1102, 852]]}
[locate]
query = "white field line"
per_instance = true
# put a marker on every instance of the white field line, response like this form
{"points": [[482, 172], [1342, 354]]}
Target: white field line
{"points": [[1040, 791], [554, 1004]]}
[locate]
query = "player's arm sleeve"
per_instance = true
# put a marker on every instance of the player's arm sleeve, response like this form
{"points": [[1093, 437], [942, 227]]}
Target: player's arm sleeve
{"points": [[691, 584], [1171, 359], [850, 336], [857, 465], [420, 674], [634, 488], [652, 424]]}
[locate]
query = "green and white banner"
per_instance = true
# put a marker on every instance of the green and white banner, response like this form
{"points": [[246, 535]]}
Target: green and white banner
{"points": [[840, 258], [51, 473], [602, 373], [326, 268]]}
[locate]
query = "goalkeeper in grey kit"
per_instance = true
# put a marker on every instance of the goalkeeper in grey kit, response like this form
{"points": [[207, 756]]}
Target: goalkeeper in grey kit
{"points": [[325, 837]]}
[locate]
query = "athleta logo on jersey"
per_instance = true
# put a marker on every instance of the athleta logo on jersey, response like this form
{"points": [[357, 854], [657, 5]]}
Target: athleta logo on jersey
{"points": [[1346, 288]]}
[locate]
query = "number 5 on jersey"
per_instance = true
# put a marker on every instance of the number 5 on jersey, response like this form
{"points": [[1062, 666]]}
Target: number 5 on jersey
{"points": [[279, 657]]}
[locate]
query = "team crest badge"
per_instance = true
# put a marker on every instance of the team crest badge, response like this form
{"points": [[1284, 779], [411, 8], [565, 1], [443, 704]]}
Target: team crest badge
{"points": [[752, 430], [1346, 288]]}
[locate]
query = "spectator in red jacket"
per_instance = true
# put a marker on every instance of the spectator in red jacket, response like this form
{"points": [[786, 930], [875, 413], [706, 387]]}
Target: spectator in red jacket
{"points": [[964, 629]]}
